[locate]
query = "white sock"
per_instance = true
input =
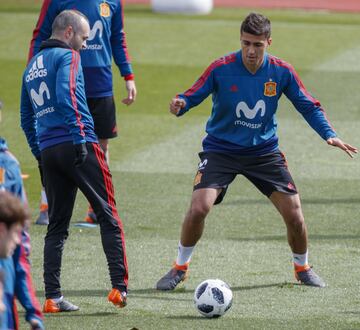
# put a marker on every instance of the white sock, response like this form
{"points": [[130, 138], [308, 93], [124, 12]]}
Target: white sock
{"points": [[57, 300], [300, 259], [43, 196], [184, 254]]}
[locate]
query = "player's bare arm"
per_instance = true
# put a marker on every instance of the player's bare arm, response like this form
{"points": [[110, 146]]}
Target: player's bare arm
{"points": [[176, 105], [349, 149], [131, 90]]}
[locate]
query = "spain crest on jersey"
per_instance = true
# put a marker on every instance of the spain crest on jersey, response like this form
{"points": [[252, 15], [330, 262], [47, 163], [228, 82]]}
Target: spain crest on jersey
{"points": [[104, 9], [270, 88]]}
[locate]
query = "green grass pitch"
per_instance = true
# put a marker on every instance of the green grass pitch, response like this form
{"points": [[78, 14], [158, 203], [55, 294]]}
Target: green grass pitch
{"points": [[154, 160]]}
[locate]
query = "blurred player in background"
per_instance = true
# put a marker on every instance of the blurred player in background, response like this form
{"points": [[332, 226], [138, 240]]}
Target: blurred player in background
{"points": [[60, 132], [241, 139], [106, 40], [17, 267], [14, 265]]}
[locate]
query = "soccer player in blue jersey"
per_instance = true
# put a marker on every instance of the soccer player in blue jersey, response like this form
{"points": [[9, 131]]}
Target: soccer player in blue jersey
{"points": [[16, 267], [60, 132], [13, 265], [241, 139], [106, 40]]}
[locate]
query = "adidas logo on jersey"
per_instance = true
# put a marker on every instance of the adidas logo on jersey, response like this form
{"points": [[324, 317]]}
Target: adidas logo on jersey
{"points": [[37, 70]]}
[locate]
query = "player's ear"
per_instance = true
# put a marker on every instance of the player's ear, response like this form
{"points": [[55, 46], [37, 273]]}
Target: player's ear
{"points": [[69, 32], [269, 41]]}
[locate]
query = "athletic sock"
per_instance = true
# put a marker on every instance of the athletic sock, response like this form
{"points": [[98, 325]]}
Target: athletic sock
{"points": [[58, 300], [300, 259], [43, 197], [184, 254]]}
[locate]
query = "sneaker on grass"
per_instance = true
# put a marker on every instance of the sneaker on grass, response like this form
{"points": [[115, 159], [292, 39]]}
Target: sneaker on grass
{"points": [[177, 274], [305, 275], [52, 306]]}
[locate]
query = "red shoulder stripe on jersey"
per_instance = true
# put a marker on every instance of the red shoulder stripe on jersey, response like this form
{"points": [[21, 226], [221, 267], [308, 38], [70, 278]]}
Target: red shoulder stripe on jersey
{"points": [[73, 71], [201, 81], [276, 61], [43, 12], [111, 200]]}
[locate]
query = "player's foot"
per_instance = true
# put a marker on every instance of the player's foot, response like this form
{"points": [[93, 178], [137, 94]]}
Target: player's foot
{"points": [[305, 275], [176, 275], [50, 306], [117, 297], [43, 218], [91, 216]]}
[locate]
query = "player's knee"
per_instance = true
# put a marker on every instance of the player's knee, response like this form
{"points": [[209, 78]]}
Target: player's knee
{"points": [[199, 210], [297, 223]]}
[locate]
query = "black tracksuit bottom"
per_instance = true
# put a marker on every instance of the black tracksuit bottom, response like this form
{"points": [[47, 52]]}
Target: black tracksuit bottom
{"points": [[93, 178]]}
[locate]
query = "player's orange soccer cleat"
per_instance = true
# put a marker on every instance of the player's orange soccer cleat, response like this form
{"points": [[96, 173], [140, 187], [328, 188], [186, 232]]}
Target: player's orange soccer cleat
{"points": [[91, 216], [117, 297], [50, 306]]}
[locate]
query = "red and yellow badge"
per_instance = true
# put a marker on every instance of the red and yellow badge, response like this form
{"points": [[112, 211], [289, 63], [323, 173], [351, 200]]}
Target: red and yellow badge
{"points": [[2, 175], [197, 179], [270, 88], [104, 9]]}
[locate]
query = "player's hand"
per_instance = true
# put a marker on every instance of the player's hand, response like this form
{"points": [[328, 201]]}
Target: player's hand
{"points": [[80, 154], [176, 105], [336, 142], [131, 90]]}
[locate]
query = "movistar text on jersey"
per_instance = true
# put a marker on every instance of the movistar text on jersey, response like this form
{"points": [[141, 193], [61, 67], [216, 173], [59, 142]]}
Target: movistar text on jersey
{"points": [[94, 47], [246, 124], [44, 112]]}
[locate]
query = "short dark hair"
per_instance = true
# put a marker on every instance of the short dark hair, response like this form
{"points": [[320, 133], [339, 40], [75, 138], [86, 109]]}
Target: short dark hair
{"points": [[12, 210], [256, 24], [69, 17]]}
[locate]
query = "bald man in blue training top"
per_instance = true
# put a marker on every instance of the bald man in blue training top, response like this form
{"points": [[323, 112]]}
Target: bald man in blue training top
{"points": [[107, 40]]}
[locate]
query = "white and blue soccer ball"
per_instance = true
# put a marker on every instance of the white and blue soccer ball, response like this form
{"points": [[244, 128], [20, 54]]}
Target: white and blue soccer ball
{"points": [[213, 298]]}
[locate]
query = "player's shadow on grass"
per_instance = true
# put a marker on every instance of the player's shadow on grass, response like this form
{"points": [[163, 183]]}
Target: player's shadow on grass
{"points": [[151, 293], [304, 201], [191, 317], [283, 238], [80, 314]]}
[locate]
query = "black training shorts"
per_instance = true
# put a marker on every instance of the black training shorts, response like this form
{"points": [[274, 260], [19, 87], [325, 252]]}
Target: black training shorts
{"points": [[268, 173], [103, 112]]}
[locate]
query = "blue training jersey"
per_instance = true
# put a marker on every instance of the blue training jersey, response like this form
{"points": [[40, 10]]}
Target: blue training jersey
{"points": [[244, 104], [107, 39], [53, 103], [16, 268]]}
